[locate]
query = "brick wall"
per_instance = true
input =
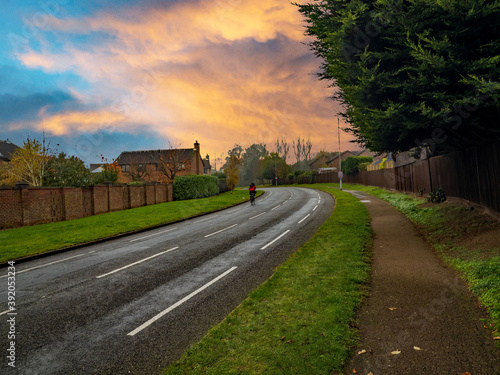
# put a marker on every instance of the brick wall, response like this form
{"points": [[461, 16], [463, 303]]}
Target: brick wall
{"points": [[29, 206]]}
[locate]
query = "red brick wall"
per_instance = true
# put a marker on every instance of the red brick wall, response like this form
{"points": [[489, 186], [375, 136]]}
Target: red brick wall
{"points": [[42, 205], [116, 198], [73, 203], [136, 196], [100, 198], [11, 214], [150, 194], [31, 206]]}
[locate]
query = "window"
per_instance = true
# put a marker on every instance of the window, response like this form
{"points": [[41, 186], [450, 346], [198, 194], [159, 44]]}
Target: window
{"points": [[125, 168], [141, 168]]}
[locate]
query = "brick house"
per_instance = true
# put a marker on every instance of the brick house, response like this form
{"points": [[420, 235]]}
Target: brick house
{"points": [[6, 151], [335, 161], [162, 165]]}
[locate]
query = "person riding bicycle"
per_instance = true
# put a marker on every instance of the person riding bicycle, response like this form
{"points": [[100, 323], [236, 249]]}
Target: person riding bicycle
{"points": [[252, 190]]}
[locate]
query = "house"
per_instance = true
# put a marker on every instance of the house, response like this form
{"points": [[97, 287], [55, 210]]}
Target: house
{"points": [[334, 162], [321, 159], [7, 149], [162, 165]]}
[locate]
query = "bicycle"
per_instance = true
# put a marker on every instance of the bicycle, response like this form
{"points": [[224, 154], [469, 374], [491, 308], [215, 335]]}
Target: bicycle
{"points": [[252, 198]]}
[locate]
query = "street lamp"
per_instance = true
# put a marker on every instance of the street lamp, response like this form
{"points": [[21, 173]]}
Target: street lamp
{"points": [[275, 170], [340, 156]]}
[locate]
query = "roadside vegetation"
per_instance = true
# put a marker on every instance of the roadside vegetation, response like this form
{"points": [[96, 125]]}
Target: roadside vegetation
{"points": [[300, 320], [22, 242], [465, 238]]}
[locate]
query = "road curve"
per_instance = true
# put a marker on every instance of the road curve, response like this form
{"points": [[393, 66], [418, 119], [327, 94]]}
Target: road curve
{"points": [[134, 304]]}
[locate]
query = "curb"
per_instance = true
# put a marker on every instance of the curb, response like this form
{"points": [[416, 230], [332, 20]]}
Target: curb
{"points": [[121, 235]]}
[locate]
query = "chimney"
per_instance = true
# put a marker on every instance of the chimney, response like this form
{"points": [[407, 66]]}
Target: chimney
{"points": [[198, 158]]}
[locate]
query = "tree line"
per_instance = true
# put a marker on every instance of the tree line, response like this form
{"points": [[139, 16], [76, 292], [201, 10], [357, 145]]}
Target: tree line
{"points": [[411, 74], [35, 164]]}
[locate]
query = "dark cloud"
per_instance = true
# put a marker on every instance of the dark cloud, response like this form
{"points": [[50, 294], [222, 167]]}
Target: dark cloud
{"points": [[15, 108]]}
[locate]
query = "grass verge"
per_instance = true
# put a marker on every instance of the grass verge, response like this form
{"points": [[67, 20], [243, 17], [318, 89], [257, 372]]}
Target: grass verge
{"points": [[297, 322], [465, 238], [22, 242]]}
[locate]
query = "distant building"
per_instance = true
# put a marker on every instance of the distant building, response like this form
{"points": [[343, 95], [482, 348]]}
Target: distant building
{"points": [[7, 149], [334, 162], [321, 159], [158, 165]]}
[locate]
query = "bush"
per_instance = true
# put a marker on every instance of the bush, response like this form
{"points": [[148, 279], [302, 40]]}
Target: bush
{"points": [[194, 186], [437, 195], [136, 183], [351, 164]]}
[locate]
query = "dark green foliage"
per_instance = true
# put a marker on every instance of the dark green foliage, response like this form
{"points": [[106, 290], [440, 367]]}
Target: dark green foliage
{"points": [[66, 171], [437, 195], [352, 163], [419, 73], [220, 175], [109, 175], [194, 186]]}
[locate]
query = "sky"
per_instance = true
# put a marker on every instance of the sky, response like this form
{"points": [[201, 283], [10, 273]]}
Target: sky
{"points": [[99, 77]]}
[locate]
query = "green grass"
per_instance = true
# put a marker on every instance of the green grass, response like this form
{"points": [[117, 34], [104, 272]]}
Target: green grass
{"points": [[297, 322], [448, 227], [21, 242]]}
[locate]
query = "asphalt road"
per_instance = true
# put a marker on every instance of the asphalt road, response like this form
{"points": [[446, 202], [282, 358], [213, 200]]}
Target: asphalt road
{"points": [[135, 304]]}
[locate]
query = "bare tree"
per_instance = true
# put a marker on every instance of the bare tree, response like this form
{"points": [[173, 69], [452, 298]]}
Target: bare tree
{"points": [[172, 161], [282, 148]]}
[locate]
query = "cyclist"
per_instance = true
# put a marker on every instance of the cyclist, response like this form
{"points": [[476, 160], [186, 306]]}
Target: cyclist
{"points": [[251, 190]]}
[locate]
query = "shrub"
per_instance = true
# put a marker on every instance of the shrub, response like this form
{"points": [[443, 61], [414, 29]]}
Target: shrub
{"points": [[194, 186], [437, 195], [351, 164], [136, 183]]}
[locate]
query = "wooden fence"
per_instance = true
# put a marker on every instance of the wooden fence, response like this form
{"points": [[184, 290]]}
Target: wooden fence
{"points": [[472, 174]]}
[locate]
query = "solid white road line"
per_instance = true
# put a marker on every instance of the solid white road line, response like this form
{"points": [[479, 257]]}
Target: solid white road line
{"points": [[304, 218], [177, 304], [253, 217], [48, 264], [140, 261], [314, 209], [151, 235], [222, 230], [276, 239], [275, 207]]}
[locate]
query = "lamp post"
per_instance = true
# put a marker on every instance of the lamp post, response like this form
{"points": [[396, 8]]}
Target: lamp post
{"points": [[276, 169], [340, 156]]}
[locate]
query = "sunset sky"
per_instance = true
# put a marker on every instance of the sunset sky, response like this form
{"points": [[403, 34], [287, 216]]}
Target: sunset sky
{"points": [[105, 76]]}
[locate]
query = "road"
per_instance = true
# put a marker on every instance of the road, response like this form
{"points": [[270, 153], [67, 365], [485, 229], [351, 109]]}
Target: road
{"points": [[135, 304]]}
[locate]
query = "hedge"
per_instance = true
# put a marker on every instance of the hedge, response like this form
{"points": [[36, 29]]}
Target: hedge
{"points": [[194, 186]]}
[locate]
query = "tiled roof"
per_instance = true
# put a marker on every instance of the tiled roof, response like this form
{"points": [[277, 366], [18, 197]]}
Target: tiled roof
{"points": [[6, 150], [151, 156]]}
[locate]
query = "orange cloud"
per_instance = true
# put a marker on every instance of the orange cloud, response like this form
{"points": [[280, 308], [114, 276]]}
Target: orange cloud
{"points": [[222, 72]]}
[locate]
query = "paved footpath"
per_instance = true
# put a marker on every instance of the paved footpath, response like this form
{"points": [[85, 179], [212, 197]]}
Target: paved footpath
{"points": [[419, 317]]}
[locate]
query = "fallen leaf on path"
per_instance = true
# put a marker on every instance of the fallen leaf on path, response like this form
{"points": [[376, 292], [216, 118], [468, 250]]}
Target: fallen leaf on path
{"points": [[465, 373], [496, 338], [396, 352], [370, 373], [416, 348], [354, 371], [393, 308], [362, 352]]}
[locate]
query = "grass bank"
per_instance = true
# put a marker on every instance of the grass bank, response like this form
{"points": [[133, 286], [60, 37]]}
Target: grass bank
{"points": [[466, 239], [22, 242], [297, 322]]}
